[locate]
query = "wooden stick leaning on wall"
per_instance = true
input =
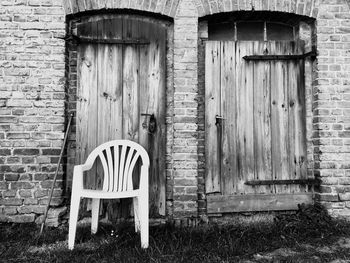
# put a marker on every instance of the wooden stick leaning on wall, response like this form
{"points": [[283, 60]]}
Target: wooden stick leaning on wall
{"points": [[56, 173]]}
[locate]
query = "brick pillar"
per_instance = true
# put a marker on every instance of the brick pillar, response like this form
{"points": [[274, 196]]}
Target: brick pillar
{"points": [[185, 110], [331, 122]]}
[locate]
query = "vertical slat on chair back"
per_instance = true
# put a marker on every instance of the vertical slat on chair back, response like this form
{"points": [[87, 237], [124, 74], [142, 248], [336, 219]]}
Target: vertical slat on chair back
{"points": [[121, 168], [116, 168], [118, 159], [118, 163]]}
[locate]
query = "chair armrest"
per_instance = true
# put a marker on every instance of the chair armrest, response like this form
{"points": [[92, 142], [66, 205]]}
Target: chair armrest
{"points": [[144, 178], [78, 176], [83, 167]]}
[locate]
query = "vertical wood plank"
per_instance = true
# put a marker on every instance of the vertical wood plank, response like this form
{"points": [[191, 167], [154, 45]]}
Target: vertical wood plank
{"points": [[262, 134], [240, 51], [144, 84], [249, 120], [228, 108], [212, 108], [292, 131], [300, 119], [245, 139], [285, 48], [131, 60], [275, 131], [131, 111], [85, 77], [279, 117], [93, 117], [103, 107], [157, 89], [90, 115]]}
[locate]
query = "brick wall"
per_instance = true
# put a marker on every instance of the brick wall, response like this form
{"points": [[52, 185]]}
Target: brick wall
{"points": [[32, 97], [331, 125], [185, 110]]}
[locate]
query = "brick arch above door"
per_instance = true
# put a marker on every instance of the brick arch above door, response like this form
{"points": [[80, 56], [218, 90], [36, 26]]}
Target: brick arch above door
{"points": [[163, 7], [301, 7]]}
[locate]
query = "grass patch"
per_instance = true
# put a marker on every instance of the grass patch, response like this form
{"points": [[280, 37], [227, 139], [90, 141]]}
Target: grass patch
{"points": [[310, 233]]}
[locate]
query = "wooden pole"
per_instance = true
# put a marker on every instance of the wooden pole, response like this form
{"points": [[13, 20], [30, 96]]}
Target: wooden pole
{"points": [[56, 173]]}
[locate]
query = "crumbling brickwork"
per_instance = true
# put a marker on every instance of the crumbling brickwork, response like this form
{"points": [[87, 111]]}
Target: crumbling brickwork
{"points": [[38, 78]]}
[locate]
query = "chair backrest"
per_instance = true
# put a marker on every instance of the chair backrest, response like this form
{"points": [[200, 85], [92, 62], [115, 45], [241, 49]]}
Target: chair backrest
{"points": [[118, 159]]}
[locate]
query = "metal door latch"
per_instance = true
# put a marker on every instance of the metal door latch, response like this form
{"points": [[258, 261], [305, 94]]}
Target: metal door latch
{"points": [[219, 119], [146, 114], [152, 123]]}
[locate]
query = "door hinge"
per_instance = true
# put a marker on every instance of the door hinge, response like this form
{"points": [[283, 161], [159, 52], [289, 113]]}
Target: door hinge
{"points": [[279, 182], [311, 54]]}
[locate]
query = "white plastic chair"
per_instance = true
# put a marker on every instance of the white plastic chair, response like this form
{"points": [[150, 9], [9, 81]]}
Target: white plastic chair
{"points": [[118, 160]]}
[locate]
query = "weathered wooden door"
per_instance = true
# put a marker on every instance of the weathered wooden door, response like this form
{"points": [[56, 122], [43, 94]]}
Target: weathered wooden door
{"points": [[121, 95], [255, 126]]}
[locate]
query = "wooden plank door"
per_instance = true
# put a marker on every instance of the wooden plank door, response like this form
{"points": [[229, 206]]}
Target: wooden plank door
{"points": [[121, 92], [255, 127]]}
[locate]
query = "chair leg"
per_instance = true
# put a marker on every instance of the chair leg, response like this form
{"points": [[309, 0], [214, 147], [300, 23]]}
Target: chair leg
{"points": [[136, 214], [95, 210], [73, 219], [144, 221]]}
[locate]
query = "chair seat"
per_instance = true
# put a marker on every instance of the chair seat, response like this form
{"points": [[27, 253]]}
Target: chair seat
{"points": [[108, 195]]}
